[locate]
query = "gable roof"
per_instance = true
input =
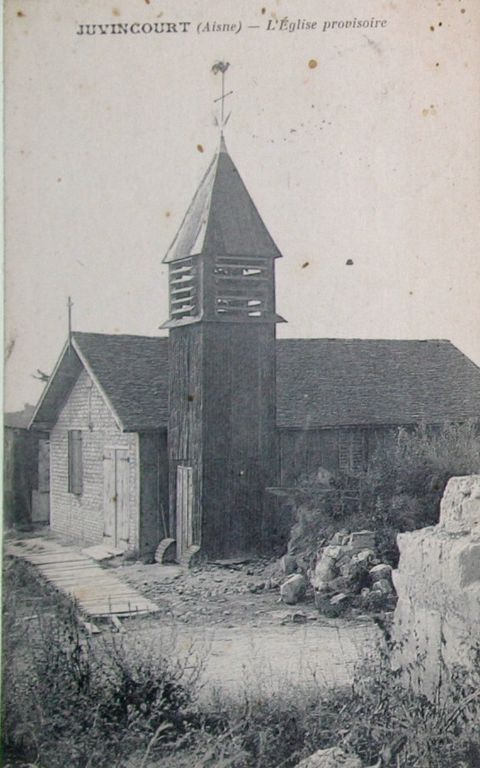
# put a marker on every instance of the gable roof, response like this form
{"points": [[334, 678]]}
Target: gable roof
{"points": [[347, 382], [130, 371], [320, 382], [222, 217]]}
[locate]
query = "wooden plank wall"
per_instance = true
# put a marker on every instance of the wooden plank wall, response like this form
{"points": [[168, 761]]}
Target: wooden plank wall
{"points": [[153, 490], [185, 430], [239, 433]]}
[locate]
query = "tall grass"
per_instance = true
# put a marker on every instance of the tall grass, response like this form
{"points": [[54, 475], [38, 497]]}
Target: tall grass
{"points": [[70, 699]]}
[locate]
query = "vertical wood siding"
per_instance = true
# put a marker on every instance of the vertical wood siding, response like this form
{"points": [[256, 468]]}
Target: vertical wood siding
{"points": [[222, 424], [153, 490]]}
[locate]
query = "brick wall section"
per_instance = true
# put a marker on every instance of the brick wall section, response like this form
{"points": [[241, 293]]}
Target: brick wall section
{"points": [[81, 517]]}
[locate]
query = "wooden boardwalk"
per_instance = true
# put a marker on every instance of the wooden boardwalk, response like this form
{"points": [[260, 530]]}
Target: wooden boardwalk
{"points": [[97, 590]]}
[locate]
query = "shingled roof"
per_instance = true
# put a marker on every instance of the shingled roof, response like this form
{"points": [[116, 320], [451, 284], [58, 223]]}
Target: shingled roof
{"points": [[320, 382], [343, 382], [131, 372], [222, 217]]}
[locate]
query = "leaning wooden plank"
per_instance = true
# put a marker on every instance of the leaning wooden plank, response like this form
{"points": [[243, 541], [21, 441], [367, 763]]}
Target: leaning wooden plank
{"points": [[124, 601], [68, 567], [64, 564], [85, 597], [107, 610], [84, 581], [117, 623], [91, 628], [59, 564], [61, 557], [127, 612], [71, 572]]}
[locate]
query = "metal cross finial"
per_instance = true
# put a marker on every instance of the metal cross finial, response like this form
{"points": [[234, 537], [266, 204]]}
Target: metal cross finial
{"points": [[69, 310], [222, 66]]}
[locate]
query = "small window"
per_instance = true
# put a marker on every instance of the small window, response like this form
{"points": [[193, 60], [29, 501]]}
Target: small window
{"points": [[75, 462]]}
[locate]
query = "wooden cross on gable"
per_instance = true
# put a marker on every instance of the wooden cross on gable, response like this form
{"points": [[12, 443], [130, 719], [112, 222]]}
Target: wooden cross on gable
{"points": [[222, 66], [69, 318]]}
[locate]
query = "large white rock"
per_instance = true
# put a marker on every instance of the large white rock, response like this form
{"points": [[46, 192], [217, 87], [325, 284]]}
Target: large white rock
{"points": [[326, 568], [380, 571], [334, 757], [437, 618], [460, 506], [293, 589]]}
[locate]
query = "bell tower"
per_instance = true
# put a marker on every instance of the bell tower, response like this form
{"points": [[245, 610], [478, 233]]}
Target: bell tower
{"points": [[222, 434]]}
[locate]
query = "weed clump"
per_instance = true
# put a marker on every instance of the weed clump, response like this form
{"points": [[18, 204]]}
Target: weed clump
{"points": [[78, 700]]}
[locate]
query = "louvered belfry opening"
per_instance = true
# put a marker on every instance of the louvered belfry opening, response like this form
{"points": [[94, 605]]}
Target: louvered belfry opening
{"points": [[184, 289], [242, 287]]}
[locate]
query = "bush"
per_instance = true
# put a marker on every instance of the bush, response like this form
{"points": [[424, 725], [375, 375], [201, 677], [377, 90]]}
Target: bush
{"points": [[400, 491]]}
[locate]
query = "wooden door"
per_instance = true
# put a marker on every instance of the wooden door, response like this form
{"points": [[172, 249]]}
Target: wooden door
{"points": [[116, 497], [184, 509]]}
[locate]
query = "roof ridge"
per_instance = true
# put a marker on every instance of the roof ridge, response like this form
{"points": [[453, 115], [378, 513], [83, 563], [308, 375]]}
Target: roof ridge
{"points": [[120, 335], [358, 338]]}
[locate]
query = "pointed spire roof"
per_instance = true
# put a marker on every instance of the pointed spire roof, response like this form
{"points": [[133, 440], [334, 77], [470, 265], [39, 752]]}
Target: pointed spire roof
{"points": [[222, 217]]}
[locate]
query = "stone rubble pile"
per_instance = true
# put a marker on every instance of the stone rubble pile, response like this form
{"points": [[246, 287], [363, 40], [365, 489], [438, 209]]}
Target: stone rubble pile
{"points": [[348, 574]]}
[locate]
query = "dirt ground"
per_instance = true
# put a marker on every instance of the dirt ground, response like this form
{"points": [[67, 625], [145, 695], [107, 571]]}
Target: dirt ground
{"points": [[227, 620], [240, 632]]}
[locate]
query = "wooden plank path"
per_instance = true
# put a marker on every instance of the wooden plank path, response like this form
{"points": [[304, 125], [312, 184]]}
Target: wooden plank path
{"points": [[97, 590]]}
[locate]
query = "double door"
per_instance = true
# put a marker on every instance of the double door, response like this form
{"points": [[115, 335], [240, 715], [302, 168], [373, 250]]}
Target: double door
{"points": [[116, 497]]}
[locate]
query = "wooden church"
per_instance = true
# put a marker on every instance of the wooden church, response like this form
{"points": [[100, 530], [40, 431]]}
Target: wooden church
{"points": [[182, 438]]}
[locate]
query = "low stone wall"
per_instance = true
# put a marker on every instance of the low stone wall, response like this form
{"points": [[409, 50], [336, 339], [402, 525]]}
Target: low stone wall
{"points": [[437, 618]]}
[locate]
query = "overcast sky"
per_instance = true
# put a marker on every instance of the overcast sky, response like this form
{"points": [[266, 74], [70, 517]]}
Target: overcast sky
{"points": [[371, 156]]}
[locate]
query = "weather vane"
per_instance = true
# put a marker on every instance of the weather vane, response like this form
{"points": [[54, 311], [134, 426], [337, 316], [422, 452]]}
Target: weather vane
{"points": [[222, 66]]}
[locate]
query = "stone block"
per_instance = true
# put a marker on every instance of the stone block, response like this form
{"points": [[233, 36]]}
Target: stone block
{"points": [[325, 571], [293, 589], [288, 564], [460, 505], [383, 586], [334, 757], [381, 571], [340, 538], [361, 540]]}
